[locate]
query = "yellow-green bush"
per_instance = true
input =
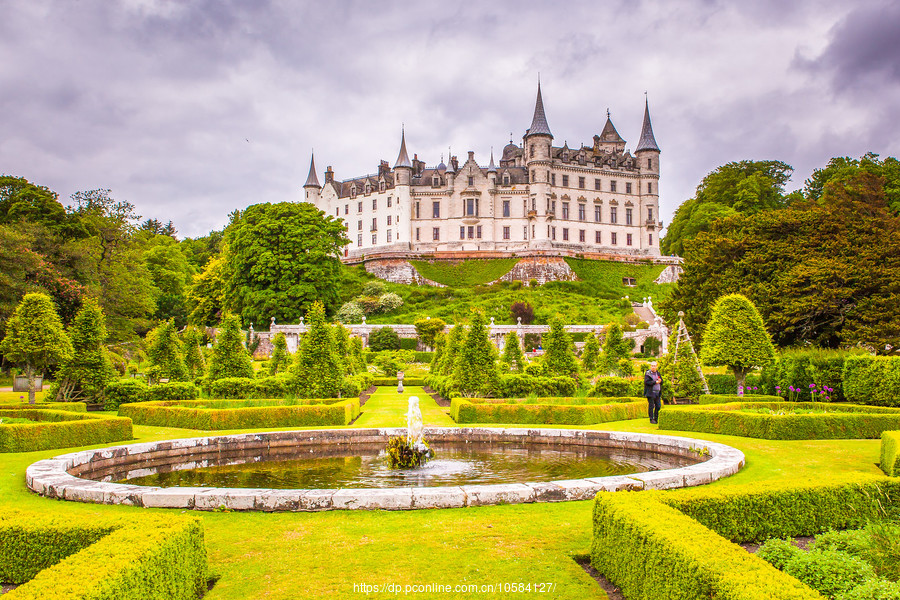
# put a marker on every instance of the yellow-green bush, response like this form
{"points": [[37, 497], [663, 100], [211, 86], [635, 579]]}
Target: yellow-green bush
{"points": [[872, 380], [679, 545], [107, 559], [174, 414], [570, 401], [890, 453], [78, 407], [844, 422], [464, 411], [60, 429], [728, 398]]}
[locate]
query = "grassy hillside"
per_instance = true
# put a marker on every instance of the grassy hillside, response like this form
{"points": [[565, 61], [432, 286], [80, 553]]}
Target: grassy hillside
{"points": [[464, 273], [595, 299]]}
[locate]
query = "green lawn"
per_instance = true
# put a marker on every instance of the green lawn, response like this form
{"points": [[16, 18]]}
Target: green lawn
{"points": [[464, 272], [301, 555]]}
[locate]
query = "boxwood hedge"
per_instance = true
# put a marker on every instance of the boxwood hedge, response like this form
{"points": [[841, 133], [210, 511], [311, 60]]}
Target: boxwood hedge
{"points": [[872, 380], [78, 407], [60, 429], [102, 559], [890, 453], [845, 422], [728, 398], [462, 410]]}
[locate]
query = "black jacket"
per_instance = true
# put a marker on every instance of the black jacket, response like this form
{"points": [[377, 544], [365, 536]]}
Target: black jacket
{"points": [[649, 380]]}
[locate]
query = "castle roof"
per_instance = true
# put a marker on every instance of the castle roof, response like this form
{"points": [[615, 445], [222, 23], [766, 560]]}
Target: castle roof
{"points": [[539, 124], [403, 158], [312, 180], [647, 141], [609, 133]]}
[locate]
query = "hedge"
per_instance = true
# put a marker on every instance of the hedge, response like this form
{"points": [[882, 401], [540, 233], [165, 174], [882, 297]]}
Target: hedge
{"points": [[801, 367], [78, 407], [515, 385], [167, 414], [464, 411], [660, 545], [126, 391], [890, 453], [612, 387], [569, 401], [102, 559], [872, 380], [60, 429], [392, 381], [276, 386], [853, 422], [728, 398]]}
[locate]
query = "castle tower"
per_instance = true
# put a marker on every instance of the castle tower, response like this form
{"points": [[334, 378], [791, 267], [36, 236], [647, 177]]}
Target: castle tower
{"points": [[403, 170], [538, 145], [312, 188], [647, 154]]}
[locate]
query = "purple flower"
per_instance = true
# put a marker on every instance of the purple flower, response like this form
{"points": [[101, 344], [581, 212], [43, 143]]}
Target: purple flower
{"points": [[777, 387], [812, 385]]}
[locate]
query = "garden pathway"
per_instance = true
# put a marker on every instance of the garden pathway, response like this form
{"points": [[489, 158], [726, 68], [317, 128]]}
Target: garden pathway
{"points": [[387, 408]]}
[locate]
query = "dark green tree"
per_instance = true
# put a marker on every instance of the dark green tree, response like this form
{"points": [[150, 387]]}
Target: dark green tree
{"points": [[194, 360], [85, 375], [171, 275], [384, 338], [358, 354], [440, 342], [205, 299], [476, 371], [682, 378], [455, 340], [559, 354], [317, 367], [281, 259], [736, 337], [512, 353], [342, 348], [166, 353], [590, 354], [428, 329], [229, 357], [843, 169], [615, 348], [35, 338], [280, 360]]}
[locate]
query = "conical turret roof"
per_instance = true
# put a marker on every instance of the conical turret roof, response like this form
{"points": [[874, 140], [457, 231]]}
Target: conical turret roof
{"points": [[312, 180], [492, 168], [647, 141], [403, 158], [609, 133], [539, 124]]}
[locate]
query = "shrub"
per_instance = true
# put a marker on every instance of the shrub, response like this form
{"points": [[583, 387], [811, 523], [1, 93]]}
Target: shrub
{"points": [[882, 548], [276, 415], [515, 385], [374, 288], [798, 368], [194, 360], [830, 572], [872, 380], [522, 310], [411, 344], [559, 357], [873, 589], [350, 312], [166, 357], [852, 541], [464, 411], [280, 360], [232, 388], [890, 453], [590, 354], [722, 385], [60, 429], [512, 353], [175, 390], [124, 391], [611, 386], [388, 302], [778, 552], [229, 357], [728, 398], [318, 369], [384, 338], [476, 372], [428, 330]]}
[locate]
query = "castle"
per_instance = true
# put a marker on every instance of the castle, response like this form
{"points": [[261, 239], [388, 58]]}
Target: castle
{"points": [[541, 200]]}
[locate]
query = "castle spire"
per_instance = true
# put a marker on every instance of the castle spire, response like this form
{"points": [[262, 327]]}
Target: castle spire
{"points": [[647, 141], [312, 180], [403, 158], [539, 124], [491, 167]]}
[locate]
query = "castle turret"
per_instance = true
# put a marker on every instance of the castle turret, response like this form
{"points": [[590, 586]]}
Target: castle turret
{"points": [[403, 168], [538, 143], [647, 154], [403, 171], [492, 171], [312, 188]]}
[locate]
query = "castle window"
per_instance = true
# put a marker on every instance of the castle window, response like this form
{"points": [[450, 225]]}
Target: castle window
{"points": [[552, 178], [359, 225], [381, 187], [359, 240], [346, 209], [553, 207], [506, 208], [532, 180], [613, 238], [435, 181], [368, 189], [651, 239], [565, 181], [531, 151], [525, 232], [649, 213], [649, 187], [359, 207], [417, 210], [353, 192], [506, 233], [565, 207], [628, 218], [597, 238], [471, 181], [613, 215], [471, 232], [597, 214], [581, 235], [374, 203], [628, 239], [389, 219], [389, 235], [471, 207], [417, 234], [374, 239], [548, 176], [506, 179], [553, 233], [478, 232], [337, 212], [565, 234], [581, 182], [436, 233], [375, 224], [462, 232], [597, 185], [649, 163], [612, 186], [435, 210], [581, 211], [627, 187], [389, 201]]}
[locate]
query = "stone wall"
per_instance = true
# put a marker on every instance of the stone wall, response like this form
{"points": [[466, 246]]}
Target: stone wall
{"points": [[541, 268], [397, 270]]}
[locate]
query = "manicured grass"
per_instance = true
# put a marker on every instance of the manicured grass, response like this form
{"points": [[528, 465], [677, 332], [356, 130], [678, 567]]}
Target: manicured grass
{"points": [[282, 556], [606, 277], [465, 272], [8, 397]]}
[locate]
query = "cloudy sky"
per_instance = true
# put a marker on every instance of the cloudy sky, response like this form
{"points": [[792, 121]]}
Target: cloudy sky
{"points": [[192, 108]]}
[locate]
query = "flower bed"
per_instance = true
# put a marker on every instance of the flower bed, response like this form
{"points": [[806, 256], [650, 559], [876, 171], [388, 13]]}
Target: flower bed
{"points": [[843, 422], [476, 410], [243, 414], [52, 429]]}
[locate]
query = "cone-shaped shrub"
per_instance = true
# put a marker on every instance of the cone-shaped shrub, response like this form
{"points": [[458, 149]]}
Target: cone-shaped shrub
{"points": [[229, 357], [440, 343], [683, 378], [512, 353], [193, 355], [166, 359], [559, 356], [476, 369], [455, 340], [318, 368], [342, 348], [279, 361], [85, 375], [590, 355]]}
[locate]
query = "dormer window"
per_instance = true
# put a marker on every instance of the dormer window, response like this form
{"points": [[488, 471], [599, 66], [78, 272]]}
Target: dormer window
{"points": [[435, 181], [353, 192], [506, 179], [471, 181], [368, 189], [381, 186]]}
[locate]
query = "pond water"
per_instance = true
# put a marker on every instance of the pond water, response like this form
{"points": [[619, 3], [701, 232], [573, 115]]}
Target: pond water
{"points": [[365, 466]]}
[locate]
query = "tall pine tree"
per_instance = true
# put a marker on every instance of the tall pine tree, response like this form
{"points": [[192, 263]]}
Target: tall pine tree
{"points": [[279, 361], [559, 356], [85, 375], [476, 369], [166, 358], [229, 357], [317, 367], [512, 353]]}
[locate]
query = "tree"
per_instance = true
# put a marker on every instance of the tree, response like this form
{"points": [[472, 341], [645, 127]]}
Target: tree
{"points": [[281, 259], [615, 348], [428, 329], [317, 366], [384, 338], [455, 340], [683, 378], [342, 348], [476, 369], [522, 310], [35, 338], [844, 168], [194, 360], [737, 338], [440, 343], [744, 187], [88, 370], [512, 353], [205, 300], [590, 355], [358, 354], [171, 275], [279, 361], [559, 356], [229, 357], [166, 355]]}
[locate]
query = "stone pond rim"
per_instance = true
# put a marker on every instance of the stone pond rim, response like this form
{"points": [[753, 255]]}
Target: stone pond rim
{"points": [[60, 477]]}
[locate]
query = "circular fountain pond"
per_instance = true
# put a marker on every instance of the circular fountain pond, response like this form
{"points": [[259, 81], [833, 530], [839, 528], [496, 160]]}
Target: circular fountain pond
{"points": [[344, 469]]}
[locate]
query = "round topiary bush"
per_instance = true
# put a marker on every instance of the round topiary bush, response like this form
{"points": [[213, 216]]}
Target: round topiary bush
{"points": [[384, 338]]}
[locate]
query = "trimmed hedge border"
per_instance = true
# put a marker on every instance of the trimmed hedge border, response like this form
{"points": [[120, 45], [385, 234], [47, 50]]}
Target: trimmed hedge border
{"points": [[872, 380], [856, 422], [569, 401], [175, 414], [890, 453], [392, 381], [60, 429], [728, 398], [83, 557], [683, 539], [78, 407], [463, 410]]}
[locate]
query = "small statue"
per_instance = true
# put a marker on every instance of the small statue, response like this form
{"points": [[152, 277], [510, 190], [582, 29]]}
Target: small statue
{"points": [[399, 382]]}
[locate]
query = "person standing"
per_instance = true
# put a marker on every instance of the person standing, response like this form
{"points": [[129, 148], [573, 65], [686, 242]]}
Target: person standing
{"points": [[653, 392]]}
